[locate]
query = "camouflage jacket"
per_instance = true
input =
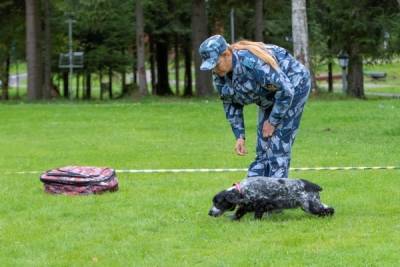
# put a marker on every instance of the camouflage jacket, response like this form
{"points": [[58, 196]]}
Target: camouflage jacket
{"points": [[254, 81]]}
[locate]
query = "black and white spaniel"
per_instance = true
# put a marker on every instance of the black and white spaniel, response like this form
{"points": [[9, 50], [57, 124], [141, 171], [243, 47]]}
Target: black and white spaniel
{"points": [[264, 194]]}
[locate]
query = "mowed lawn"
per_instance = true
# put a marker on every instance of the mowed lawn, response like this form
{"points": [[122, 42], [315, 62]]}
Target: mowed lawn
{"points": [[161, 219]]}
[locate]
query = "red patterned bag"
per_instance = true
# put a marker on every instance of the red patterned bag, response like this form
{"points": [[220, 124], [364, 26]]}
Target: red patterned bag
{"points": [[79, 180]]}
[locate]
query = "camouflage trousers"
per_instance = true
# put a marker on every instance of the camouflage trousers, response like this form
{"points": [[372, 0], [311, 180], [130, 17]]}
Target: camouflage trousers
{"points": [[273, 154]]}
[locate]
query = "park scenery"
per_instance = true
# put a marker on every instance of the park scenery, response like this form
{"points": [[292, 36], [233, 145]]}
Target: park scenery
{"points": [[117, 84]]}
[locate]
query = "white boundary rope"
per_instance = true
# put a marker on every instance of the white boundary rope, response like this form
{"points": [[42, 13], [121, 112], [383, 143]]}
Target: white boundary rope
{"points": [[245, 169], [232, 170]]}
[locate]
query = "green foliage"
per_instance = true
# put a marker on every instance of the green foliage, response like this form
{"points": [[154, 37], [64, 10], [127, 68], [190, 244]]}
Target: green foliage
{"points": [[359, 25], [12, 36], [279, 23], [277, 20], [12, 29], [165, 20], [105, 32]]}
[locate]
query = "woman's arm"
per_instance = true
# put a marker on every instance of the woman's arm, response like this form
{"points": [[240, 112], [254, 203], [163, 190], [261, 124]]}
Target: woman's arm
{"points": [[233, 111], [234, 114]]}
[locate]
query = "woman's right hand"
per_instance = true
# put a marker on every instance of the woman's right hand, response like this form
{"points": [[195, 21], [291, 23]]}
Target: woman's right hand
{"points": [[240, 147]]}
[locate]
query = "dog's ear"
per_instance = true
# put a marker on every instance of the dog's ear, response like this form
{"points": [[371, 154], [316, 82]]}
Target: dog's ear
{"points": [[233, 196]]}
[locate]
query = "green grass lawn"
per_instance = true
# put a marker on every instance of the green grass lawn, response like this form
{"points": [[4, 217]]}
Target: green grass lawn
{"points": [[161, 219]]}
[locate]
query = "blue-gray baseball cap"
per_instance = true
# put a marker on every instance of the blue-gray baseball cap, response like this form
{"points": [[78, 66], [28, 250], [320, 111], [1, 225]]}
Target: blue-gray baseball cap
{"points": [[210, 50]]}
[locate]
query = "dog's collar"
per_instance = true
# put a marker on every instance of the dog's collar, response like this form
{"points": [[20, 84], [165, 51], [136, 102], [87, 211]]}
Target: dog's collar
{"points": [[237, 187]]}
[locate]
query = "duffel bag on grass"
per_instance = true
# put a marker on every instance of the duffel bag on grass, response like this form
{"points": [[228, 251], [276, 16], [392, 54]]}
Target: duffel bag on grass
{"points": [[79, 180]]}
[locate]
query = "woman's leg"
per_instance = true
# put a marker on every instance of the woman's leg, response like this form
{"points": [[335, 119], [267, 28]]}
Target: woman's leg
{"points": [[259, 166], [280, 145], [274, 154]]}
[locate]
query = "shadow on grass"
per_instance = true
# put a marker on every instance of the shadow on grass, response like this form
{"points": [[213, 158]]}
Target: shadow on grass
{"points": [[278, 218]]}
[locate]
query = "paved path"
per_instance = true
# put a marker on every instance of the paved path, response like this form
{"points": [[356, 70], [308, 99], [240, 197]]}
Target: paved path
{"points": [[23, 76], [391, 95], [13, 79]]}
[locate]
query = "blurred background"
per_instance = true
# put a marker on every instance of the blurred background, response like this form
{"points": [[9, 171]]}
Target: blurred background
{"points": [[98, 49]]}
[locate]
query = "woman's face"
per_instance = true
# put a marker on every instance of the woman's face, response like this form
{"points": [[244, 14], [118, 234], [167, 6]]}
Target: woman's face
{"points": [[224, 64]]}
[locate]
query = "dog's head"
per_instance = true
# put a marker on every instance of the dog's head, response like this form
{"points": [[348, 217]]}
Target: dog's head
{"points": [[223, 201]]}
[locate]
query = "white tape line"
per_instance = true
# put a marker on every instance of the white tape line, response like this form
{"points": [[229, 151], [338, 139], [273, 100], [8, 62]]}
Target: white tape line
{"points": [[232, 170], [244, 169], [181, 170], [22, 172]]}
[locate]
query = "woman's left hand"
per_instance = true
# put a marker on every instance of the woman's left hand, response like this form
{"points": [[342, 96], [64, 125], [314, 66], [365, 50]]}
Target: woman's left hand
{"points": [[268, 129]]}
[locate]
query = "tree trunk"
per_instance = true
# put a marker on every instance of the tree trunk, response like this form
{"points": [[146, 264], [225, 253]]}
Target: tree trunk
{"points": [[88, 93], [101, 84], [355, 76], [47, 86], [152, 66], [162, 87], [59, 82], [110, 82], [330, 77], [124, 90], [314, 86], [33, 51], [259, 20], [5, 85], [176, 48], [66, 84], [134, 68], [123, 82], [199, 34], [188, 90], [300, 32], [77, 85], [218, 27], [140, 48]]}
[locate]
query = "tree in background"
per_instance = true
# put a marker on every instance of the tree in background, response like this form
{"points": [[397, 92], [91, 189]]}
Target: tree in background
{"points": [[158, 17], [140, 49], [359, 29], [320, 44], [173, 30], [12, 39], [300, 32], [259, 21], [33, 49], [199, 34], [301, 38], [104, 32], [47, 44]]}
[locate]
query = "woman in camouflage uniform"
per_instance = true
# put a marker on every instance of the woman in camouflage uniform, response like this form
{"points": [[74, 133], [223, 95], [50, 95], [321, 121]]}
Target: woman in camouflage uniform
{"points": [[267, 75]]}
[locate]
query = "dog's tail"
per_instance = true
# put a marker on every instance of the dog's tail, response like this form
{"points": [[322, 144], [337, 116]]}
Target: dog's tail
{"points": [[311, 187]]}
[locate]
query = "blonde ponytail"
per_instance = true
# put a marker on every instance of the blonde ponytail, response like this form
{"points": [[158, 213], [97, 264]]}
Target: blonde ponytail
{"points": [[258, 49]]}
